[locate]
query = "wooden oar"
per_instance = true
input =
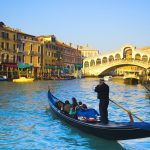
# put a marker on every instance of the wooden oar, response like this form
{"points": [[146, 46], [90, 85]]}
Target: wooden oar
{"points": [[129, 112]]}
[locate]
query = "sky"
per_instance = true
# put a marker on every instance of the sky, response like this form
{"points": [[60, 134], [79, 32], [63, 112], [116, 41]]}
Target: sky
{"points": [[106, 25]]}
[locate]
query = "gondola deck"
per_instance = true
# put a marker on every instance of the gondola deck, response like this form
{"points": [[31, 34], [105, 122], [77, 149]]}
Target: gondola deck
{"points": [[111, 131]]}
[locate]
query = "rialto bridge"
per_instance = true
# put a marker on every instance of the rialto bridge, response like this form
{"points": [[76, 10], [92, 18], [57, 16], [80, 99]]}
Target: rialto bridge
{"points": [[128, 55]]}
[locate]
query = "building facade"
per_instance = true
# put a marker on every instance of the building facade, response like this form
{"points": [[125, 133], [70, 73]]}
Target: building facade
{"points": [[8, 51], [87, 51]]}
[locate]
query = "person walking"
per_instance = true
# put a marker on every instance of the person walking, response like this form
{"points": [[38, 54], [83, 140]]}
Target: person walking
{"points": [[102, 90]]}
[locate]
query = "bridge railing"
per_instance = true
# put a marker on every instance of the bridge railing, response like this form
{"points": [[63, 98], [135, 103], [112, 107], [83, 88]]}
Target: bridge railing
{"points": [[122, 61]]}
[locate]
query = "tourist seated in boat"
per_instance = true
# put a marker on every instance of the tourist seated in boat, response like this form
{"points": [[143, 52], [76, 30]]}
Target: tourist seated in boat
{"points": [[72, 112], [67, 107], [79, 105], [74, 102], [87, 114], [59, 104]]}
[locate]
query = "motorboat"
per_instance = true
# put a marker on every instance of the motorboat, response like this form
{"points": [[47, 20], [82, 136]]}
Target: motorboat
{"points": [[23, 79], [3, 78], [107, 78], [131, 77]]}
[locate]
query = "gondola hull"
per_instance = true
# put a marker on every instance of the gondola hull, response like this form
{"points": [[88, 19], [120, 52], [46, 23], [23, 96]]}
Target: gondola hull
{"points": [[111, 131]]}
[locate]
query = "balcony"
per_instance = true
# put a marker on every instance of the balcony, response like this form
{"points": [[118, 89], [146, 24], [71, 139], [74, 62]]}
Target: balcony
{"points": [[34, 53]]}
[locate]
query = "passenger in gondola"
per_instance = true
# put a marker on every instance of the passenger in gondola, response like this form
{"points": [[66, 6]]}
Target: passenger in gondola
{"points": [[67, 107], [72, 112], [74, 102], [60, 105], [84, 107], [79, 106]]}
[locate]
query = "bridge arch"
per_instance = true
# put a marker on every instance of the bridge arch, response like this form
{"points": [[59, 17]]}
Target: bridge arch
{"points": [[86, 64], [145, 58], [117, 56], [137, 56], [111, 58], [92, 63], [98, 61], [104, 60], [127, 51]]}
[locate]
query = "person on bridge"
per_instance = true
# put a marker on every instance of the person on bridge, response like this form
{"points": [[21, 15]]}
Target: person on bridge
{"points": [[102, 90]]}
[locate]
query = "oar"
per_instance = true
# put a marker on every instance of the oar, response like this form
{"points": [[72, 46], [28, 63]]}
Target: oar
{"points": [[129, 112]]}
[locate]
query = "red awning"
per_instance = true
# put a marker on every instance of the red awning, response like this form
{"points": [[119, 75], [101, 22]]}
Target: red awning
{"points": [[37, 66], [10, 65]]}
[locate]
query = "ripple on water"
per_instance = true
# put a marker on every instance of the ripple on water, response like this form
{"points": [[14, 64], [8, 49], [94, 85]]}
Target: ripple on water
{"points": [[27, 122]]}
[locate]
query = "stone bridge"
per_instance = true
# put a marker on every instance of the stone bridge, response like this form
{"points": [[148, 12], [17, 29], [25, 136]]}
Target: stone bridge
{"points": [[127, 56]]}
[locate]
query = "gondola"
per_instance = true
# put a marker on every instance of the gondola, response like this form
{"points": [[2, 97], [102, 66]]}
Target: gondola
{"points": [[111, 131]]}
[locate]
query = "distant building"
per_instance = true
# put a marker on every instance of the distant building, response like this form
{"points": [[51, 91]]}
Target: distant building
{"points": [[87, 51]]}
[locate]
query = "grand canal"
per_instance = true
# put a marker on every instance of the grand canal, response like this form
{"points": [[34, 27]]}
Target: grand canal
{"points": [[27, 123]]}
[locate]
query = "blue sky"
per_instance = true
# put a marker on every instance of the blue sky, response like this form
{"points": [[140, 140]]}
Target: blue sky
{"points": [[103, 24]]}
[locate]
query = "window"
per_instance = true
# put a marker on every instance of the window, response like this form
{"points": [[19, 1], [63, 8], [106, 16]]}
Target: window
{"points": [[31, 59], [14, 47], [23, 46], [31, 47], [14, 37], [39, 49], [7, 46], [38, 60], [2, 45]]}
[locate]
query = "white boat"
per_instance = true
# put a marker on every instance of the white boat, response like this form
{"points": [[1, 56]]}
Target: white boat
{"points": [[23, 79], [3, 78], [107, 78], [131, 77]]}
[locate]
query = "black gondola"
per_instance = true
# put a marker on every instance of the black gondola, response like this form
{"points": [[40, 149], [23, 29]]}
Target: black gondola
{"points": [[111, 131]]}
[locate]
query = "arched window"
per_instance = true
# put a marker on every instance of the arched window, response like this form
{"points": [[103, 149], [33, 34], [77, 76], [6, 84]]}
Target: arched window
{"points": [[3, 58], [7, 58], [127, 53]]}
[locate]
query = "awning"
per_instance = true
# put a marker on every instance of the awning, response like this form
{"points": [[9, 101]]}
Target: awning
{"points": [[78, 65], [66, 70], [49, 67], [13, 65], [23, 66]]}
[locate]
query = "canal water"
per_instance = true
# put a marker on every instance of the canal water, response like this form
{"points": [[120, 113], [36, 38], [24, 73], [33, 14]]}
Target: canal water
{"points": [[26, 121]]}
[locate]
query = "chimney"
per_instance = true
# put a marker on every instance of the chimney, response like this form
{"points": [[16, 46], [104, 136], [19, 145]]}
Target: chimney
{"points": [[77, 47]]}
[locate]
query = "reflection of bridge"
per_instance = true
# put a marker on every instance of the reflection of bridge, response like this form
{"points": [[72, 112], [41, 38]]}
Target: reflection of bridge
{"points": [[128, 55]]}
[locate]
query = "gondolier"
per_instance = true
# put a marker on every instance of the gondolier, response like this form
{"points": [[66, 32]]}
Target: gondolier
{"points": [[102, 90]]}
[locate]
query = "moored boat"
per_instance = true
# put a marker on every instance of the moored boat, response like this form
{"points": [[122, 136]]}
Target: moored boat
{"points": [[107, 78], [23, 79], [3, 78], [111, 131], [131, 77]]}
